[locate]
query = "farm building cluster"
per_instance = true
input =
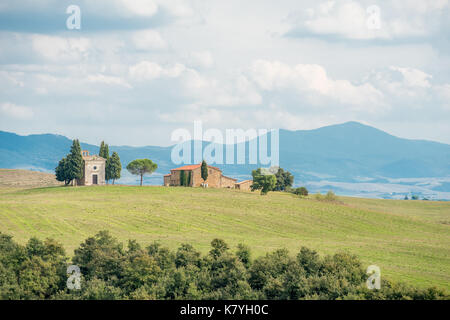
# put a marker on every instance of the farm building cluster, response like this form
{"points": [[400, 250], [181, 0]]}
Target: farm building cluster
{"points": [[193, 176]]}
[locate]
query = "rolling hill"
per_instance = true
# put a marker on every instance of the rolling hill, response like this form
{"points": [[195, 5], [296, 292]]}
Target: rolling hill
{"points": [[350, 158], [408, 240]]}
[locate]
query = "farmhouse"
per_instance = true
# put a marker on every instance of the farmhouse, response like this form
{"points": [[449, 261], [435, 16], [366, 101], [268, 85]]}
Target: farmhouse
{"points": [[244, 185], [193, 178], [94, 170]]}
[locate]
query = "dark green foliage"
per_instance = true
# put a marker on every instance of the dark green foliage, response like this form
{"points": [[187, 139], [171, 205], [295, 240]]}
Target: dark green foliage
{"points": [[104, 153], [101, 256], [244, 255], [301, 191], [75, 162], [61, 171], [104, 150], [113, 167], [204, 170], [141, 167], [189, 178], [284, 180], [187, 256], [71, 167], [263, 182], [34, 271], [218, 248], [109, 271], [182, 178]]}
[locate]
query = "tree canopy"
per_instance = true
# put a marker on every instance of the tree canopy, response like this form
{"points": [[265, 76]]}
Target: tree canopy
{"points": [[142, 167], [71, 167], [284, 180], [111, 270], [113, 167], [263, 182]]}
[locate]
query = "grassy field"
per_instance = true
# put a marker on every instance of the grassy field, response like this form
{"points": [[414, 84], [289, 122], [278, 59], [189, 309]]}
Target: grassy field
{"points": [[409, 240]]}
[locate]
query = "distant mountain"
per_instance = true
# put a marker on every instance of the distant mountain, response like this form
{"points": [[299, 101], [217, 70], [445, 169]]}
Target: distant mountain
{"points": [[322, 158], [352, 149]]}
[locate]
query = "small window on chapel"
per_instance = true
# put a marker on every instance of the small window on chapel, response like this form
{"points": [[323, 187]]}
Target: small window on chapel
{"points": [[95, 167]]}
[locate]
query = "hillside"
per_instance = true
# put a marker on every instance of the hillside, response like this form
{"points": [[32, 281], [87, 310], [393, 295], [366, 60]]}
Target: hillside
{"points": [[350, 158], [409, 240], [15, 178]]}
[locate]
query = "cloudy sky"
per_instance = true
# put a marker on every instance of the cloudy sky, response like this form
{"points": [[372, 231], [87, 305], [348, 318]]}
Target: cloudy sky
{"points": [[137, 70]]}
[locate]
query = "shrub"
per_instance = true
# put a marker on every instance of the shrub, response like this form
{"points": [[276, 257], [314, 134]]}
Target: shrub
{"points": [[38, 271], [302, 191], [330, 196]]}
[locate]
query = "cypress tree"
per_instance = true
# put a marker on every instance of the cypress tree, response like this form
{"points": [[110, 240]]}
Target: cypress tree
{"points": [[182, 178], [75, 162], [104, 150], [114, 167], [104, 153], [204, 170]]}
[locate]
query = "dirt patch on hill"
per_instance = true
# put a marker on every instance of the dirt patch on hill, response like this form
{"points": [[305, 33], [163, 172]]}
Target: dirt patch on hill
{"points": [[16, 178]]}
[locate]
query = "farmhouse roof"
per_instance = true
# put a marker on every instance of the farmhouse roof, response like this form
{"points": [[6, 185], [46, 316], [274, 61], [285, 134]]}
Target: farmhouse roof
{"points": [[229, 178], [192, 167], [244, 181]]}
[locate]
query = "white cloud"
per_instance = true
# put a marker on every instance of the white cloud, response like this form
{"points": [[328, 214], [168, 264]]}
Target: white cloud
{"points": [[443, 94], [16, 111], [148, 40], [148, 70], [210, 91], [350, 19], [312, 81], [13, 78], [414, 77], [59, 48], [146, 8], [193, 58], [109, 80], [202, 59]]}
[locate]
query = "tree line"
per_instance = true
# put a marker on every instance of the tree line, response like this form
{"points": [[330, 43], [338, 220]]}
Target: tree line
{"points": [[109, 270]]}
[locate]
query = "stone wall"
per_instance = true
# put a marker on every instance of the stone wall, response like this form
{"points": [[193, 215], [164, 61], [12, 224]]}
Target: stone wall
{"points": [[244, 185], [227, 182], [95, 166], [167, 181], [213, 181]]}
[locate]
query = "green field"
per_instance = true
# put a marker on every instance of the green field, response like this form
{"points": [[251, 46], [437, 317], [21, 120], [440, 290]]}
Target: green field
{"points": [[408, 240]]}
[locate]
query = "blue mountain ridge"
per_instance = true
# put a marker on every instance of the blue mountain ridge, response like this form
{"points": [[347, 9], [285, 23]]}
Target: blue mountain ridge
{"points": [[347, 153]]}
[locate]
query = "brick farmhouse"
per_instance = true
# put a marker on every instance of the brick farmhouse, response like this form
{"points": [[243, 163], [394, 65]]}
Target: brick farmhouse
{"points": [[193, 174]]}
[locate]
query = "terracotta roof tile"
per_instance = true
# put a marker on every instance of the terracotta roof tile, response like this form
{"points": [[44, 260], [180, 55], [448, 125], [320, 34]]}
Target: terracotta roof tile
{"points": [[244, 181], [192, 167]]}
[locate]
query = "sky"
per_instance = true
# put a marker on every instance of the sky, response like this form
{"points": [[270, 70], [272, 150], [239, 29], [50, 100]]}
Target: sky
{"points": [[137, 70]]}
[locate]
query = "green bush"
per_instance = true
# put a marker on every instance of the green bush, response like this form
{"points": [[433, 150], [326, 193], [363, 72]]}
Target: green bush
{"points": [[301, 191], [111, 271], [330, 196]]}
